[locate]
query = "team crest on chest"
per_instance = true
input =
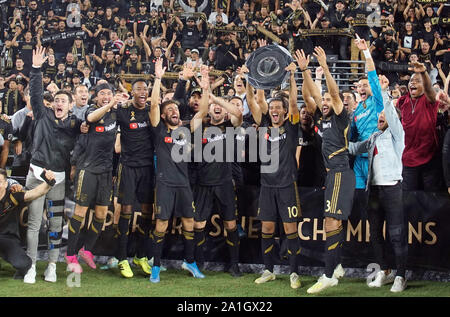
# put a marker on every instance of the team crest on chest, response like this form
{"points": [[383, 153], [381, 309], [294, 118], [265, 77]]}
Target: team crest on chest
{"points": [[133, 114]]}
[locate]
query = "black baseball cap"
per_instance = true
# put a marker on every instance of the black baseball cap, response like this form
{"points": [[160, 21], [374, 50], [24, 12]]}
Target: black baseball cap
{"points": [[197, 90]]}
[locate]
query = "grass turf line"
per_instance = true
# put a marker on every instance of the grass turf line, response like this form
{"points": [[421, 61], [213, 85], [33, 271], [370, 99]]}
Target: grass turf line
{"points": [[179, 283]]}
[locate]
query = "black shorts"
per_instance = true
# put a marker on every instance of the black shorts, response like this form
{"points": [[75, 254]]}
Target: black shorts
{"points": [[173, 201], [339, 193], [135, 183], [284, 202], [222, 196], [93, 188]]}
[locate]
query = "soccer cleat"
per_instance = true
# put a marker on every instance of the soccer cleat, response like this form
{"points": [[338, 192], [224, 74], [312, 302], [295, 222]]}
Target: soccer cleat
{"points": [[30, 277], [125, 268], [143, 264], [399, 284], [295, 280], [161, 267], [234, 270], [265, 277], [154, 278], [382, 279], [192, 267], [87, 257], [50, 273], [324, 282], [72, 264], [338, 271]]}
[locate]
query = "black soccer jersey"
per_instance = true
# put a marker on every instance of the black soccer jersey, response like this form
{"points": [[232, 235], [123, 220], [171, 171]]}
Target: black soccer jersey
{"points": [[168, 171], [6, 129], [100, 142], [135, 136], [335, 133], [10, 207], [218, 171], [284, 145]]}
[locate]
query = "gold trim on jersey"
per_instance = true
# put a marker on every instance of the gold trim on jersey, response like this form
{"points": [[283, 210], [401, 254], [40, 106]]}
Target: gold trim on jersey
{"points": [[341, 149], [80, 183], [294, 118], [336, 188]]}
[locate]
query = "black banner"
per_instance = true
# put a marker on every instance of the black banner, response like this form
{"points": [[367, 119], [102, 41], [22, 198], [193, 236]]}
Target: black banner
{"points": [[326, 32], [432, 1], [428, 233], [62, 36]]}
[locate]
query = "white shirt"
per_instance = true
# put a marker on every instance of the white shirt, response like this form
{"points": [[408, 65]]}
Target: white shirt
{"points": [[37, 171], [212, 18]]}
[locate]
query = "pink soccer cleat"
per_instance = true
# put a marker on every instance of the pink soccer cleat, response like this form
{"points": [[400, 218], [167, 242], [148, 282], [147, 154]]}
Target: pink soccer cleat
{"points": [[72, 264], [87, 257]]}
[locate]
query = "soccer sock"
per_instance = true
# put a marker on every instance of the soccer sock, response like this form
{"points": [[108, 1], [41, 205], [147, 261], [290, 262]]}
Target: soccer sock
{"points": [[74, 233], [199, 239], [332, 245], [189, 246], [157, 245], [123, 228], [267, 244], [293, 251], [233, 245], [144, 222], [93, 233]]}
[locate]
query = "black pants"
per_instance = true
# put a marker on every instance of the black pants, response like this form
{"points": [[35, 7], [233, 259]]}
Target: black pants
{"points": [[386, 203], [427, 177], [13, 253]]}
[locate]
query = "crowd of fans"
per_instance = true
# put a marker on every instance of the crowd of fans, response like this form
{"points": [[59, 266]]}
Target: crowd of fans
{"points": [[92, 43], [93, 39]]}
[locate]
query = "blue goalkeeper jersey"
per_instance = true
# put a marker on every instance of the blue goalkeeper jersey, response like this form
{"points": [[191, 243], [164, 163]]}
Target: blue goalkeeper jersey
{"points": [[364, 123]]}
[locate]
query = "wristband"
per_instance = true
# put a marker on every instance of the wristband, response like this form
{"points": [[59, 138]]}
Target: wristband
{"points": [[367, 53], [304, 70], [49, 182]]}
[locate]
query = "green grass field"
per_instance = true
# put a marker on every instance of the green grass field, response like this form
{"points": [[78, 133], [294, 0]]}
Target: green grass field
{"points": [[178, 283]]}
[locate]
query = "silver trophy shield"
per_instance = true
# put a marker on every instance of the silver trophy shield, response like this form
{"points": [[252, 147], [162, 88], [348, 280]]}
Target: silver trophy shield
{"points": [[267, 66]]}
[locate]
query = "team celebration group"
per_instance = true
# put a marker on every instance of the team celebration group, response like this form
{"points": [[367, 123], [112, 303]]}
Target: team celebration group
{"points": [[119, 144]]}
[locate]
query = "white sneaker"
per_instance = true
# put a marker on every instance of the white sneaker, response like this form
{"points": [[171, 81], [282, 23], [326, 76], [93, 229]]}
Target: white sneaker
{"points": [[338, 271], [295, 280], [324, 282], [381, 279], [30, 277], [265, 277], [50, 273], [399, 285]]}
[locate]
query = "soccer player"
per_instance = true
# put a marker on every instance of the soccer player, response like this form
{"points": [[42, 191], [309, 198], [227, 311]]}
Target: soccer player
{"points": [[135, 176], [11, 204], [340, 179], [365, 116], [173, 195], [279, 195], [215, 182], [54, 137], [94, 178]]}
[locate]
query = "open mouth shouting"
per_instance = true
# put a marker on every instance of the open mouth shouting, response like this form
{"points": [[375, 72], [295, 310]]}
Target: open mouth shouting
{"points": [[363, 95]]}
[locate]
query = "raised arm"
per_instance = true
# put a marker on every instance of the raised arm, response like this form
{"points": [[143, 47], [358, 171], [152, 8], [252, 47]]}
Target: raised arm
{"points": [[197, 120], [36, 88], [362, 46], [421, 70], [293, 109], [391, 114], [155, 115], [333, 88], [310, 92], [253, 104]]}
